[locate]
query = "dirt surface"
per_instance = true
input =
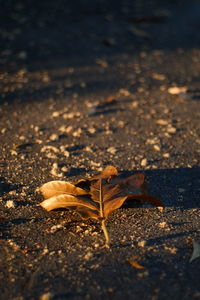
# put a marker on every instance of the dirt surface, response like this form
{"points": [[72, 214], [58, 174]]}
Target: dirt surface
{"points": [[85, 84]]}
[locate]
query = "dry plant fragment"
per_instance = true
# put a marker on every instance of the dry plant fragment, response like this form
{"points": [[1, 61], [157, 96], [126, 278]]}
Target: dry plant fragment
{"points": [[98, 196], [135, 264], [196, 250]]}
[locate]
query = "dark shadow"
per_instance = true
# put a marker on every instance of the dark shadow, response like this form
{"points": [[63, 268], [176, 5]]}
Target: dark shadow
{"points": [[7, 187], [162, 239], [75, 172], [25, 148], [75, 148], [174, 187]]}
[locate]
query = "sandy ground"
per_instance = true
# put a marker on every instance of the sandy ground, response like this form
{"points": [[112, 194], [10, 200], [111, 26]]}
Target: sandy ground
{"points": [[84, 86]]}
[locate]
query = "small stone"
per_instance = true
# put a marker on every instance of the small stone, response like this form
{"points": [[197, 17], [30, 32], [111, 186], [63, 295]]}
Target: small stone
{"points": [[166, 155], [77, 133], [162, 122], [159, 77], [142, 243], [124, 92], [156, 148], [55, 228], [64, 169], [48, 148], [88, 256], [46, 296], [175, 90], [10, 204], [162, 224], [71, 115], [143, 162], [160, 208], [54, 171], [55, 114], [171, 129], [121, 124], [88, 149], [91, 130], [13, 152], [54, 137], [134, 104], [112, 150], [152, 141], [64, 129], [3, 130], [172, 250]]}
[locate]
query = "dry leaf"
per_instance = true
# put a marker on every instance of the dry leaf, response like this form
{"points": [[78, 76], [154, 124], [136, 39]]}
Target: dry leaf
{"points": [[58, 187], [96, 197], [196, 251]]}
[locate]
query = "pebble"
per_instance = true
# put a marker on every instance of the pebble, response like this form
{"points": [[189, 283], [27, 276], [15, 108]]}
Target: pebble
{"points": [[55, 114], [54, 171], [111, 150], [162, 122], [159, 77], [143, 162], [77, 133], [64, 129], [54, 137], [156, 148], [166, 155], [48, 148], [46, 296], [124, 92], [171, 129], [172, 250], [88, 149], [162, 224], [152, 141], [134, 104], [142, 243], [88, 255], [71, 115], [175, 90], [91, 130], [10, 204]]}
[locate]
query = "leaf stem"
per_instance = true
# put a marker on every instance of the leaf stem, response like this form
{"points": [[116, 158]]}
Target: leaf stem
{"points": [[101, 198], [103, 226], [101, 208]]}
